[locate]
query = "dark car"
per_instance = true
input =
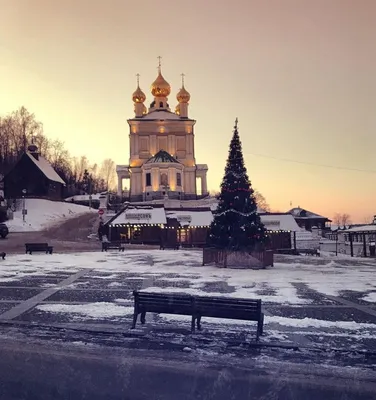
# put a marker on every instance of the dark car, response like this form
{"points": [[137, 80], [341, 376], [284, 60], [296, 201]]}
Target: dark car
{"points": [[3, 231]]}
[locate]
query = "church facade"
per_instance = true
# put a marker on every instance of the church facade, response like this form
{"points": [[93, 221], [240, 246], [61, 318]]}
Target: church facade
{"points": [[162, 163]]}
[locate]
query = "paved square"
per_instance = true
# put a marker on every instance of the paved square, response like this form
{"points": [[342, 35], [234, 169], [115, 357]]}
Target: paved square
{"points": [[308, 301]]}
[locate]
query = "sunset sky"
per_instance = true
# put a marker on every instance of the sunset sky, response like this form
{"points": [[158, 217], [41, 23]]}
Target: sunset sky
{"points": [[299, 75]]}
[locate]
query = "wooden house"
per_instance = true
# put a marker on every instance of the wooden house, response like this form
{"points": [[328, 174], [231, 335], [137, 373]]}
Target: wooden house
{"points": [[308, 219], [33, 176]]}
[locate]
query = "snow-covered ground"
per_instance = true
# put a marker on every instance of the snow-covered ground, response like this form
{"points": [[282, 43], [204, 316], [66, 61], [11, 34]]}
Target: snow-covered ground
{"points": [[43, 213], [328, 276], [293, 292]]}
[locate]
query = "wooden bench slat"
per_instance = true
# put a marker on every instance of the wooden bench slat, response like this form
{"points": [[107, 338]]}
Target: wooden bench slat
{"points": [[230, 300], [198, 307]]}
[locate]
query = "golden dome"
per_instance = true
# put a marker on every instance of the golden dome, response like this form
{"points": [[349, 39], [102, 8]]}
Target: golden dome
{"points": [[183, 95], [160, 87], [177, 109], [138, 96]]}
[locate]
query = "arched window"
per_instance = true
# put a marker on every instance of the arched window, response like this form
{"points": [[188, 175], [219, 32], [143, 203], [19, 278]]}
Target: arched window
{"points": [[164, 179], [161, 104]]}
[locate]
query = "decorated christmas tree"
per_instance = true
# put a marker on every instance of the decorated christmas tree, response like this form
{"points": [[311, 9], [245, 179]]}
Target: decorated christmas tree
{"points": [[236, 225]]}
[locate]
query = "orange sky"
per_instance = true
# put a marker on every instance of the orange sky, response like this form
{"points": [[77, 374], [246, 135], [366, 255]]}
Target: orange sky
{"points": [[299, 75]]}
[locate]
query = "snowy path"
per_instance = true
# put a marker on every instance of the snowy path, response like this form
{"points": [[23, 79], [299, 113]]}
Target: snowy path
{"points": [[308, 301]]}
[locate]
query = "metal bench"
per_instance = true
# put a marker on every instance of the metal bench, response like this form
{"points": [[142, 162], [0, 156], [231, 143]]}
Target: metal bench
{"points": [[198, 307], [112, 246], [38, 247]]}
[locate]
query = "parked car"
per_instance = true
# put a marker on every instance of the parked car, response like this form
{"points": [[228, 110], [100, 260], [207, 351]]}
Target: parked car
{"points": [[3, 230]]}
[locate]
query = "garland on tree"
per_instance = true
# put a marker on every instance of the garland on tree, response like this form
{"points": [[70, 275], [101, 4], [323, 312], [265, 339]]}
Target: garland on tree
{"points": [[236, 224]]}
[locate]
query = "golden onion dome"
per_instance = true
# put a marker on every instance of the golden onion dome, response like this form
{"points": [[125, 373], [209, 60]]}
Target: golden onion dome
{"points": [[160, 87], [177, 109], [138, 96], [183, 95]]}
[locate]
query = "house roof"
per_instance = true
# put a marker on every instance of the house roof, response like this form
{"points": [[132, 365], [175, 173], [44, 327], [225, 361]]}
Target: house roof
{"points": [[45, 167], [139, 215], [301, 213], [162, 157], [371, 228], [191, 217], [279, 221]]}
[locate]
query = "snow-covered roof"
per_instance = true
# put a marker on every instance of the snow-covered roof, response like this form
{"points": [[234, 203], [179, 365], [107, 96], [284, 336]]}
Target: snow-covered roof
{"points": [[46, 168], [305, 214], [276, 222], [141, 215], [214, 204], [84, 197], [363, 228], [191, 217]]}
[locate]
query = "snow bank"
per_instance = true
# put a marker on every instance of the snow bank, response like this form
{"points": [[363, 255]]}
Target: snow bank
{"points": [[370, 297], [90, 310], [44, 213], [318, 323]]}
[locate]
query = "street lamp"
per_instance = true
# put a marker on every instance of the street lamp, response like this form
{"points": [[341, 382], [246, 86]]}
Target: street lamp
{"points": [[24, 191]]}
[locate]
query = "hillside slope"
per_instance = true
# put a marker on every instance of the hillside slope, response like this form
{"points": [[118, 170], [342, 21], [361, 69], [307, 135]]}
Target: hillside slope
{"points": [[42, 214], [74, 229]]}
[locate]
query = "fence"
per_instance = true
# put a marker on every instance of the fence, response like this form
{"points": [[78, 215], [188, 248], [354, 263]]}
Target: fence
{"points": [[219, 257]]}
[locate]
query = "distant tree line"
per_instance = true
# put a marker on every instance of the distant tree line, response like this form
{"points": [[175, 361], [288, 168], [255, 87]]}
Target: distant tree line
{"points": [[20, 128]]}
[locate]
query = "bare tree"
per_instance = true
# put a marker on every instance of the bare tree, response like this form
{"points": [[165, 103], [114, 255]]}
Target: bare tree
{"points": [[368, 219], [341, 220], [261, 201], [107, 173], [345, 220], [337, 219]]}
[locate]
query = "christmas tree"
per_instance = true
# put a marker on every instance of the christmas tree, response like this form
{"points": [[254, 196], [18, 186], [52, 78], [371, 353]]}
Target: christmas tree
{"points": [[236, 225]]}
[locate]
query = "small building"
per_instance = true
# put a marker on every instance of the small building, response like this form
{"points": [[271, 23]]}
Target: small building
{"points": [[33, 176], [168, 225], [308, 219], [363, 239]]}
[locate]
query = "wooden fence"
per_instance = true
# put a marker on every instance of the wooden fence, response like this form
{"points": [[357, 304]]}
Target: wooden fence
{"points": [[219, 257]]}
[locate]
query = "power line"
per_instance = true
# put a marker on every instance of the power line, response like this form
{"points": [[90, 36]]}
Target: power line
{"points": [[368, 171]]}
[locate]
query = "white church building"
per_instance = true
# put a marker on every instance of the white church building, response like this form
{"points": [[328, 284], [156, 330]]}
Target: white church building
{"points": [[162, 161]]}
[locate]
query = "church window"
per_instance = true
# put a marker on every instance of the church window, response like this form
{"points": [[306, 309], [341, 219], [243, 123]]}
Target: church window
{"points": [[164, 180], [148, 179], [178, 179], [161, 104]]}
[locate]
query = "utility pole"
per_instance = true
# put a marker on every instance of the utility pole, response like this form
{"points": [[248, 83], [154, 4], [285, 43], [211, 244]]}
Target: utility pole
{"points": [[24, 191]]}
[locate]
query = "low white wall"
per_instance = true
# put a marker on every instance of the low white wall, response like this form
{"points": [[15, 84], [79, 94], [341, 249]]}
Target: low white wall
{"points": [[342, 248]]}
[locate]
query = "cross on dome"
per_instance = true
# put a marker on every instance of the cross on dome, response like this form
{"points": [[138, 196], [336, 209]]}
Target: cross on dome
{"points": [[138, 95], [183, 95], [160, 87]]}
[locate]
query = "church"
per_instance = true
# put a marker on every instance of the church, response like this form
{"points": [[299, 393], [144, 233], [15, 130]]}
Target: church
{"points": [[162, 162], [167, 202]]}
